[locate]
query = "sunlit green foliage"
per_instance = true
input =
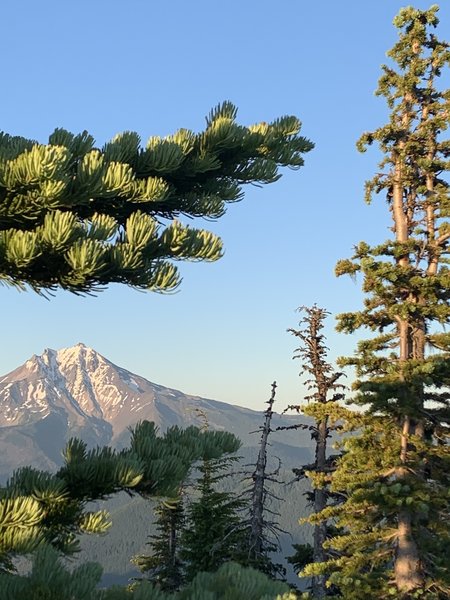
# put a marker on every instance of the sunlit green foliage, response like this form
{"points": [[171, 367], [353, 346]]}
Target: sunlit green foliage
{"points": [[38, 507], [396, 472], [79, 217]]}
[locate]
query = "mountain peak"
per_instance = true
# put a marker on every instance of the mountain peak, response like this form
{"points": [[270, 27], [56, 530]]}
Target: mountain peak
{"points": [[79, 383], [77, 348], [87, 357], [80, 346]]}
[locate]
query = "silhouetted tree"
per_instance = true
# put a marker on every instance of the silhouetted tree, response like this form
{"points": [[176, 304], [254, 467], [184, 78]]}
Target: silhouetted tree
{"points": [[261, 531], [323, 405]]}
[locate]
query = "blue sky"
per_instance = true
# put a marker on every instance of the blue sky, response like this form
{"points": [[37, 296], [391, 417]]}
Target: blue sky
{"points": [[155, 66]]}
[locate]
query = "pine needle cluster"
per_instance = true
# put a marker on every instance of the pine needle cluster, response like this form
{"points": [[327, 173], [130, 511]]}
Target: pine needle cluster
{"points": [[79, 217], [37, 507]]}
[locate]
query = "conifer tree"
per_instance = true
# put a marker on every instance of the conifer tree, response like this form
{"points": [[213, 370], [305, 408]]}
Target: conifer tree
{"points": [[78, 217], [397, 472], [164, 566], [213, 532], [323, 405], [261, 534]]}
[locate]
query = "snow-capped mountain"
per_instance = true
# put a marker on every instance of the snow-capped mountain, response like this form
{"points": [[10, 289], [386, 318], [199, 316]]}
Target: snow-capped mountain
{"points": [[78, 392], [78, 383]]}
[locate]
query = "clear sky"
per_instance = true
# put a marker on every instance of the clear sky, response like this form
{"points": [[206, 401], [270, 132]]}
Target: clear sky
{"points": [[154, 66]]}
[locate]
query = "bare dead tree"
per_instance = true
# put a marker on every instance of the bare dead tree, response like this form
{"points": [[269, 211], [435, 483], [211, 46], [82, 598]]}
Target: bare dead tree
{"points": [[263, 531], [322, 381]]}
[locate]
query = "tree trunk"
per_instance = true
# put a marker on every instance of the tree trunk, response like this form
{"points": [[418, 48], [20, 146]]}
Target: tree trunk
{"points": [[407, 566], [408, 575], [407, 571], [320, 502]]}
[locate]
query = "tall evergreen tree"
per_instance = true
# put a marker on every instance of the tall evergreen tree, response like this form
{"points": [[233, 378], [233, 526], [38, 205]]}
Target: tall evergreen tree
{"points": [[213, 532], [78, 217], [397, 472], [323, 405]]}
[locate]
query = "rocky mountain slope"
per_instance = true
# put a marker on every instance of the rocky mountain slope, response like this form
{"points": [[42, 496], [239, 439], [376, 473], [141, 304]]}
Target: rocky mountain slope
{"points": [[78, 392]]}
